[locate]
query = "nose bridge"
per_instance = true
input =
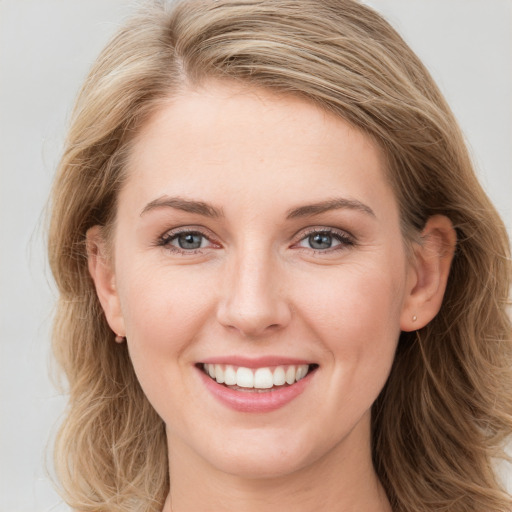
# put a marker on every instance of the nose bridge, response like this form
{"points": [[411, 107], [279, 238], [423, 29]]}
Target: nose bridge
{"points": [[254, 300]]}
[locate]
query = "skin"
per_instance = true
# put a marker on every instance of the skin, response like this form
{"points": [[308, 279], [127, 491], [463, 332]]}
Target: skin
{"points": [[257, 287]]}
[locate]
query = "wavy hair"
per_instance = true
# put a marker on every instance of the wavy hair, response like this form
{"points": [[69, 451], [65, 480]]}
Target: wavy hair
{"points": [[446, 410]]}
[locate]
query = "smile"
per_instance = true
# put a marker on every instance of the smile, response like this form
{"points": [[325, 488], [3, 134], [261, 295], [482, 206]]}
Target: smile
{"points": [[256, 379], [256, 388]]}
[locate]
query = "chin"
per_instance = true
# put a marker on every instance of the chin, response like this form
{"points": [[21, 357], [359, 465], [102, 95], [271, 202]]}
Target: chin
{"points": [[269, 456], [257, 467]]}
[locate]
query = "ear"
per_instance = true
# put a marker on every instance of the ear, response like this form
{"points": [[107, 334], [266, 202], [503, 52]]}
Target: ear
{"points": [[428, 273], [101, 268]]}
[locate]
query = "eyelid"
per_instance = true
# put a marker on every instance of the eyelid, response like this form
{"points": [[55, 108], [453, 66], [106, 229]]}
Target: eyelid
{"points": [[323, 229]]}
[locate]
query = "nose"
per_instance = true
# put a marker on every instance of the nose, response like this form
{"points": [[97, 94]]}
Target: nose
{"points": [[254, 300]]}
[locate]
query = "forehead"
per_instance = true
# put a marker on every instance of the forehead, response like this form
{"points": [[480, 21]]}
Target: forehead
{"points": [[253, 144]]}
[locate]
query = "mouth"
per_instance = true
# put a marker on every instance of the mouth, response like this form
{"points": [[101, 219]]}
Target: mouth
{"points": [[256, 380]]}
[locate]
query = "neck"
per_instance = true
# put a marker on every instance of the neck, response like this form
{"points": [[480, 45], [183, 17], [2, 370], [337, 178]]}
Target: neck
{"points": [[342, 480]]}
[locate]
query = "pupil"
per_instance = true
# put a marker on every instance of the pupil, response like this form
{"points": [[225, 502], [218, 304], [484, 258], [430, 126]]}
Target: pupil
{"points": [[320, 241], [190, 241]]}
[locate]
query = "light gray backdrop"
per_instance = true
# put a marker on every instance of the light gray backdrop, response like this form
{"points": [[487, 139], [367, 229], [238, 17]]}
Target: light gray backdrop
{"points": [[46, 48]]}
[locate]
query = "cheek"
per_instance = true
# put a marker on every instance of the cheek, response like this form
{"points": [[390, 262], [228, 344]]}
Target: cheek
{"points": [[357, 319], [164, 314], [164, 309], [360, 298]]}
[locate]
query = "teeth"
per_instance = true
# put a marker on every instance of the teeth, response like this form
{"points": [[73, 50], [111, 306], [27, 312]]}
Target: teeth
{"points": [[229, 376], [219, 374], [290, 374], [244, 378], [279, 376], [263, 378], [260, 378], [301, 372]]}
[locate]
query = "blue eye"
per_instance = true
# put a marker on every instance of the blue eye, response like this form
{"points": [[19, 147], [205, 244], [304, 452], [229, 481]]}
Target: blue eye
{"points": [[185, 241], [188, 241], [323, 240], [320, 240]]}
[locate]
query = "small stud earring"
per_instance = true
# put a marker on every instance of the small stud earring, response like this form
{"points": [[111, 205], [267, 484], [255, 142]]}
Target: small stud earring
{"points": [[119, 338], [414, 318]]}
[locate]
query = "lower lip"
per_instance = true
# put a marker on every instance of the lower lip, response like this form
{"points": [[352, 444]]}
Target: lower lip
{"points": [[253, 401]]}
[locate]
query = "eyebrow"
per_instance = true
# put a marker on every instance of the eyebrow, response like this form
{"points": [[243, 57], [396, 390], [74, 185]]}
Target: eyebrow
{"points": [[185, 205], [207, 210], [331, 204]]}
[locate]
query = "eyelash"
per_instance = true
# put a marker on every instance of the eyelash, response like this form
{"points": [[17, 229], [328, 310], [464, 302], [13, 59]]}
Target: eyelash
{"points": [[345, 240], [166, 239]]}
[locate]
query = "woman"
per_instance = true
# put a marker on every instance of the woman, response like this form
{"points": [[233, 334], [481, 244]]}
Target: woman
{"points": [[281, 284]]}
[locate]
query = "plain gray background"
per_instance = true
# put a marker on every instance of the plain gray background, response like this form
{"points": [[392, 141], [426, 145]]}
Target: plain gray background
{"points": [[46, 48]]}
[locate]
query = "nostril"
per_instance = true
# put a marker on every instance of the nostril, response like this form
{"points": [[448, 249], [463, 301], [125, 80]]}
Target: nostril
{"points": [[253, 320]]}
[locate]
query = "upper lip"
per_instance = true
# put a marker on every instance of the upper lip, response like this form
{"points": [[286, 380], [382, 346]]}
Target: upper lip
{"points": [[257, 362]]}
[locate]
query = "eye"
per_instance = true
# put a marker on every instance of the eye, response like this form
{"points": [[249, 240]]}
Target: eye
{"points": [[185, 241], [189, 241], [321, 240], [325, 239]]}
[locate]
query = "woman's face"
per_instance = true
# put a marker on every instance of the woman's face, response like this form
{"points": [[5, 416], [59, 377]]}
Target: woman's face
{"points": [[258, 235]]}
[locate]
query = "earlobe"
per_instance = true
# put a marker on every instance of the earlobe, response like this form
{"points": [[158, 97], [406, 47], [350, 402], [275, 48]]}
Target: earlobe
{"points": [[102, 272], [428, 273]]}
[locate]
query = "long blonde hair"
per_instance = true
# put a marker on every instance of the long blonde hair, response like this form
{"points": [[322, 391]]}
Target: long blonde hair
{"points": [[446, 409]]}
